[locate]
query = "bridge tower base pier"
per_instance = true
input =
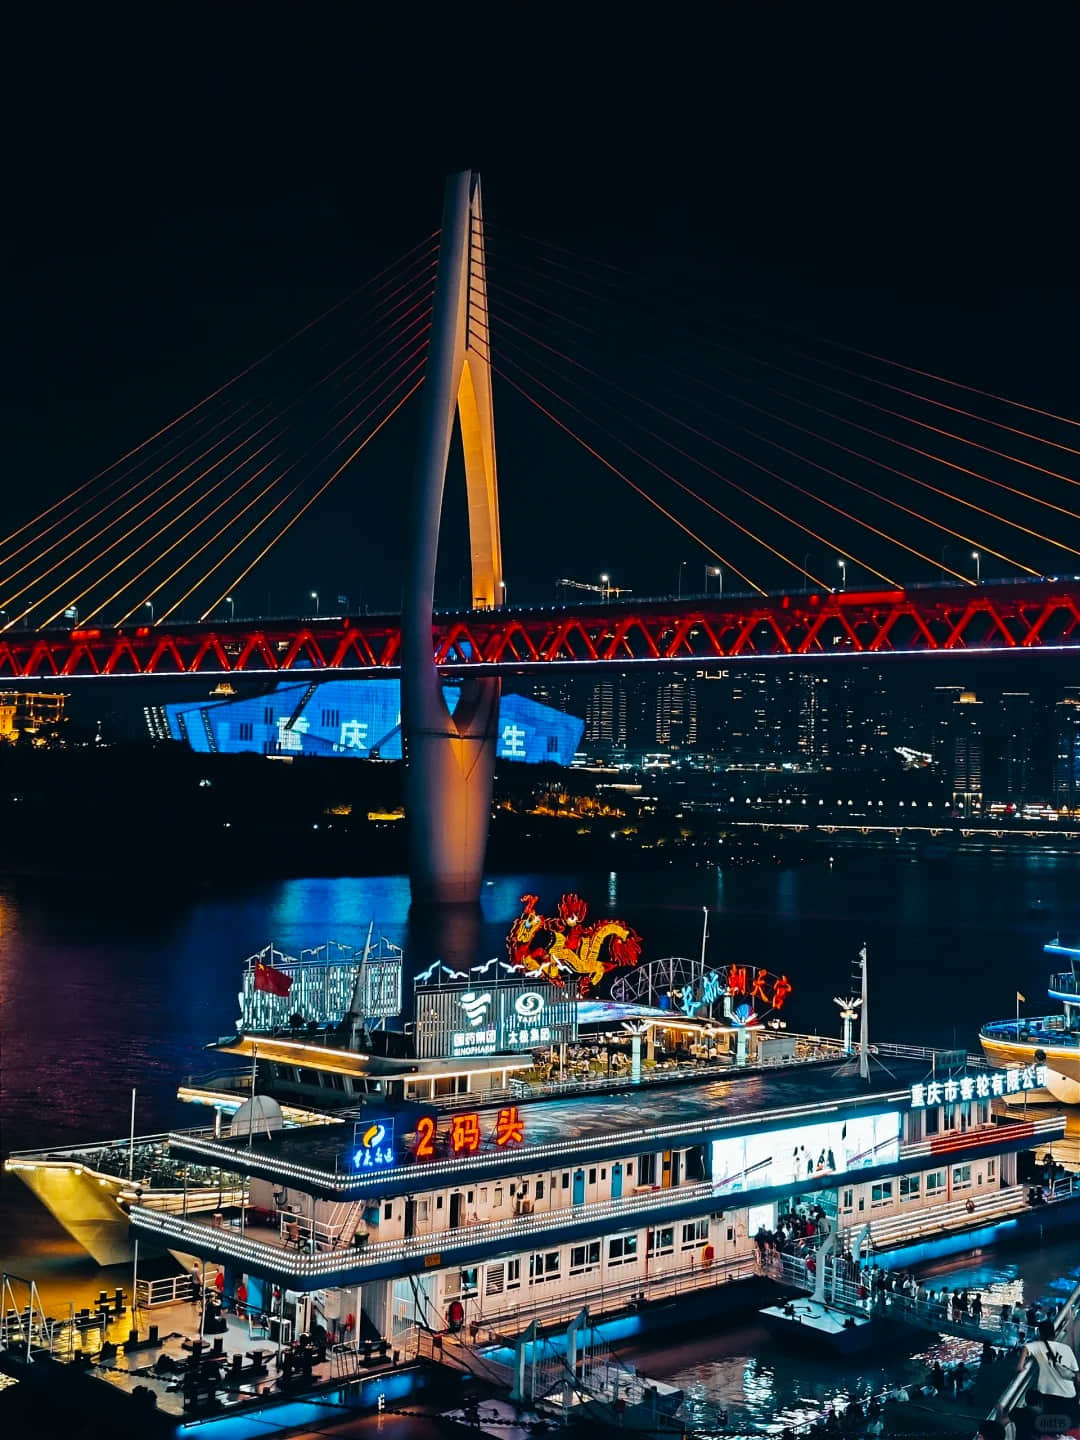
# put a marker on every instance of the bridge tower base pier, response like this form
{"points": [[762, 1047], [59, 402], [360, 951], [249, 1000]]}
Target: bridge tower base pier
{"points": [[450, 755]]}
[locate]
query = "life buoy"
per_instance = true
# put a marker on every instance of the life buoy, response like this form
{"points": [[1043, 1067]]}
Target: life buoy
{"points": [[455, 1315], [708, 1255], [970, 1207]]}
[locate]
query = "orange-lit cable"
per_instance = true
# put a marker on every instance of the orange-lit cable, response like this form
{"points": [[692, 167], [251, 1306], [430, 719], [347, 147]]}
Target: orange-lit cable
{"points": [[307, 504], [937, 459], [100, 579], [922, 424], [371, 392], [94, 499], [637, 488], [213, 394], [789, 520], [817, 499], [956, 384], [190, 559], [885, 499], [938, 404], [117, 519], [145, 520], [138, 525], [896, 504], [914, 479]]}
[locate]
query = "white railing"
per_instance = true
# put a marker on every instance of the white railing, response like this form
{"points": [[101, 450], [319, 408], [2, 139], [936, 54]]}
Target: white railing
{"points": [[1050, 1127], [528, 1156], [519, 1229], [169, 1290]]}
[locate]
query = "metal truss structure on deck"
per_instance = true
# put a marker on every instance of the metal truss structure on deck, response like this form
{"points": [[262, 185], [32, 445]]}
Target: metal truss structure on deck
{"points": [[1032, 615]]}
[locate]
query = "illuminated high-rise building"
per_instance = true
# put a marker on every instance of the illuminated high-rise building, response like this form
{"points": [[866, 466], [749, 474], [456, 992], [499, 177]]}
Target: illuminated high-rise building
{"points": [[1067, 752], [676, 714], [964, 752], [605, 714], [1016, 744]]}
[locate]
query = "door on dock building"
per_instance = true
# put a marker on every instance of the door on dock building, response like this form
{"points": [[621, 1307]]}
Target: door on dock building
{"points": [[457, 1209], [616, 1181], [579, 1187]]}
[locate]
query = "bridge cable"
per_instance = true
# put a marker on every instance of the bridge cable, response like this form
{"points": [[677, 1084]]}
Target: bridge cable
{"points": [[137, 525], [639, 400], [308, 503], [758, 318], [370, 392], [880, 464], [624, 477], [379, 338], [220, 389], [709, 504]]}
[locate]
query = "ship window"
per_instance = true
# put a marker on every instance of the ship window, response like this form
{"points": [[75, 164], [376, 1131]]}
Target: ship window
{"points": [[647, 1169], [991, 1169], [268, 715], [629, 1168], [881, 1194], [910, 1187], [932, 1120], [513, 1274], [603, 1174], [566, 1180], [662, 1241], [468, 1281], [730, 1234], [494, 1280], [539, 1189], [388, 1210], [622, 1250], [935, 1181], [245, 730], [961, 1177], [982, 1112], [497, 1199], [469, 1197], [438, 1202], [544, 1266], [847, 1199], [584, 1257], [592, 1176], [696, 1233]]}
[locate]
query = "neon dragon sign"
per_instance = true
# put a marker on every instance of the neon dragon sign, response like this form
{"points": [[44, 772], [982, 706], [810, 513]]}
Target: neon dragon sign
{"points": [[552, 945]]}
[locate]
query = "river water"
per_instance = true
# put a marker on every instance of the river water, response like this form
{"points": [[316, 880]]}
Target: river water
{"points": [[111, 987]]}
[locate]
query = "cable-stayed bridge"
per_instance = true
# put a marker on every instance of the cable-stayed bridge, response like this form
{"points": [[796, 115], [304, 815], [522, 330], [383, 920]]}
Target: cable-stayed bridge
{"points": [[789, 463]]}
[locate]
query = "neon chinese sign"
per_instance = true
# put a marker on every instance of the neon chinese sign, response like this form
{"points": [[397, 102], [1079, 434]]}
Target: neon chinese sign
{"points": [[746, 991], [375, 1146], [989, 1085], [555, 945], [464, 1135]]}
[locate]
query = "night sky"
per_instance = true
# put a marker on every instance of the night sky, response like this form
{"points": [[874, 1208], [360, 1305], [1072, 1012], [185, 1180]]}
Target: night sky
{"points": [[186, 187]]}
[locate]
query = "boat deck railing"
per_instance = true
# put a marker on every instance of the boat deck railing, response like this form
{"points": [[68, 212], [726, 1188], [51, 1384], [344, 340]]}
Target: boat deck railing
{"points": [[146, 1161], [1031, 1029]]}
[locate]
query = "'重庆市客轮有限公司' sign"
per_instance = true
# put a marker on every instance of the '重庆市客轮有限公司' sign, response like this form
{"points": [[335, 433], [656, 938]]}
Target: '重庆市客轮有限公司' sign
{"points": [[988, 1085]]}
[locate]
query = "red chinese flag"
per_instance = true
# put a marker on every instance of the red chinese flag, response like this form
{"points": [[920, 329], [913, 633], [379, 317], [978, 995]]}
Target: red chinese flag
{"points": [[274, 982]]}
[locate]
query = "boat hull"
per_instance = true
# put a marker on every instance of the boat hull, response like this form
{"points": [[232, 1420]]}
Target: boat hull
{"points": [[1062, 1065]]}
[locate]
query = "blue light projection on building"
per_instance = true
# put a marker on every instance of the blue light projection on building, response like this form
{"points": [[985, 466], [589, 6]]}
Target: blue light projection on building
{"points": [[355, 718]]}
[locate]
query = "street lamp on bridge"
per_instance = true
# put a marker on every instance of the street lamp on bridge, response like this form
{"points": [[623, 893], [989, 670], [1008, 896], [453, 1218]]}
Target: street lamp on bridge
{"points": [[714, 570], [315, 597], [843, 573], [231, 604], [682, 567], [150, 607], [605, 581], [978, 566]]}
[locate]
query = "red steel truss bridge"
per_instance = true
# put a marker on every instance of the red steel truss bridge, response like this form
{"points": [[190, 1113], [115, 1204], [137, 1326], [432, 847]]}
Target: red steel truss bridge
{"points": [[1021, 616]]}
